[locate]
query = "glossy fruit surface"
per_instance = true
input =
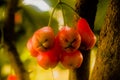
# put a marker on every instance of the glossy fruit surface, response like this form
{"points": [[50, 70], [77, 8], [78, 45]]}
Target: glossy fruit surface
{"points": [[88, 38], [71, 60], [43, 39], [48, 59], [69, 39], [32, 51]]}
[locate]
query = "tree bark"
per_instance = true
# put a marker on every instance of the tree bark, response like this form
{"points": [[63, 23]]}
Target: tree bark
{"points": [[107, 65], [9, 41], [86, 9]]}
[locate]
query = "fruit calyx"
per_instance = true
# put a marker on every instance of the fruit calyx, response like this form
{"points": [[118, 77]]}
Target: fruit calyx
{"points": [[69, 39], [43, 39]]}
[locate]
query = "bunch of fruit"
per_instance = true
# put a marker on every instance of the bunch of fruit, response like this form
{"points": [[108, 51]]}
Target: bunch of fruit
{"points": [[49, 49]]}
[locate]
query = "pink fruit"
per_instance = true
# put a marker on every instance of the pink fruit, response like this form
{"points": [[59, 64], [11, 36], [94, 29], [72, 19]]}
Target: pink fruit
{"points": [[68, 39], [48, 59], [71, 60], [33, 52], [88, 38], [43, 39]]}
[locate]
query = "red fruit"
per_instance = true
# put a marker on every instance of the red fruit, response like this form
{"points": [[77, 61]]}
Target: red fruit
{"points": [[18, 18], [72, 60], [11, 77], [33, 52], [43, 39], [88, 39], [68, 39], [48, 59]]}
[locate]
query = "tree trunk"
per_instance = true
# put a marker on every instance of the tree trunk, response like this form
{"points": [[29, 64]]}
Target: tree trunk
{"points": [[86, 9], [107, 65]]}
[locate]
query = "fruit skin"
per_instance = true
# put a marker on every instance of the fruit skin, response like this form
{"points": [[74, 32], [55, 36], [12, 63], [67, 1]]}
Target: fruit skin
{"points": [[11, 77], [48, 59], [43, 39], [88, 39], [71, 60], [68, 39], [42, 46], [32, 51]]}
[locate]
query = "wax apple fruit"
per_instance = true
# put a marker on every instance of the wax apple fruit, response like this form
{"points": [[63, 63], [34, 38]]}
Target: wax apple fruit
{"points": [[33, 52], [48, 59], [42, 46], [71, 60], [11, 77], [43, 39], [68, 39], [88, 39]]}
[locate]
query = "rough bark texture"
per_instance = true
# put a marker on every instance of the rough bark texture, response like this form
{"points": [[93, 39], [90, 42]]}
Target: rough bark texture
{"points": [[86, 9], [9, 37], [107, 65]]}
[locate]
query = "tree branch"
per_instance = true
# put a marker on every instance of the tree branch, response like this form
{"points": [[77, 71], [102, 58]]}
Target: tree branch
{"points": [[9, 37], [15, 61]]}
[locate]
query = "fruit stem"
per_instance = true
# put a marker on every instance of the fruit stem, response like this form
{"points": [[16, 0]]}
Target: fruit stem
{"points": [[63, 14], [52, 73], [72, 74], [50, 19], [70, 8], [61, 3]]}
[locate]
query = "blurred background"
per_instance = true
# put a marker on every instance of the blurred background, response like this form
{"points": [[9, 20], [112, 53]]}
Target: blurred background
{"points": [[32, 15]]}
